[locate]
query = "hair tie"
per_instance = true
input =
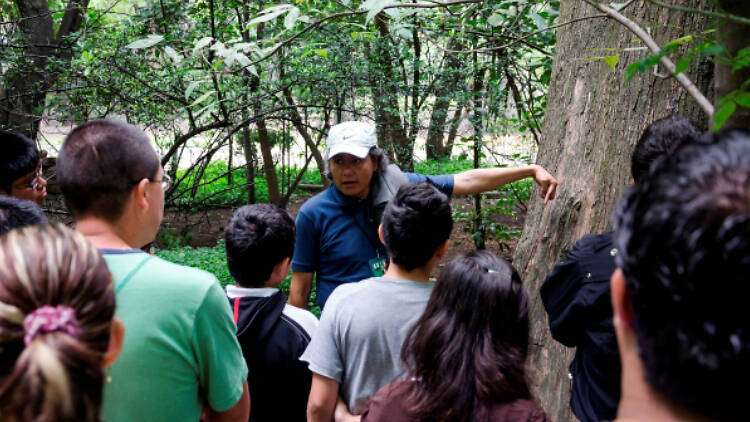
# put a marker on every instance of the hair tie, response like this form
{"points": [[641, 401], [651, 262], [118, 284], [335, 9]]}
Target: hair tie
{"points": [[49, 319]]}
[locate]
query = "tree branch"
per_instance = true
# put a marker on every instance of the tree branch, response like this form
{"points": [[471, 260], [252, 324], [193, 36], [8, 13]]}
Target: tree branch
{"points": [[516, 41], [727, 16], [354, 13], [686, 83]]}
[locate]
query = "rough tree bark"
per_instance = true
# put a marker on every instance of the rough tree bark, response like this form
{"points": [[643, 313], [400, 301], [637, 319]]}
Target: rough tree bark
{"points": [[385, 97], [444, 92], [22, 100], [592, 121]]}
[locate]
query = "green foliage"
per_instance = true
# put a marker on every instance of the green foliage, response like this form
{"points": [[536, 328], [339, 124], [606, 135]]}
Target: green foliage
{"points": [[514, 196], [214, 261], [214, 189]]}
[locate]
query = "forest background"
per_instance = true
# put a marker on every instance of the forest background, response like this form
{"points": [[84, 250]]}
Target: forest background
{"points": [[238, 96]]}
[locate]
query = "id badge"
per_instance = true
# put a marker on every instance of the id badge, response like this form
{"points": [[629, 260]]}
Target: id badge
{"points": [[377, 267]]}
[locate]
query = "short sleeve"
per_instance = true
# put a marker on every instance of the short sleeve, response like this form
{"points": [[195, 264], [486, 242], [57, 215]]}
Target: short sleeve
{"points": [[221, 367], [443, 182], [307, 245], [323, 354]]}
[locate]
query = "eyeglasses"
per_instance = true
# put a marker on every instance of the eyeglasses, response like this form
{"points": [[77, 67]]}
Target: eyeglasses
{"points": [[166, 182], [35, 183]]}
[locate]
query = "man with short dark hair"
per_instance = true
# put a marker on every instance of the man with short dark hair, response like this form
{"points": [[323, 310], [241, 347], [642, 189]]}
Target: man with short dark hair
{"points": [[21, 168], [356, 349], [681, 285], [576, 292], [16, 213], [272, 334], [180, 355]]}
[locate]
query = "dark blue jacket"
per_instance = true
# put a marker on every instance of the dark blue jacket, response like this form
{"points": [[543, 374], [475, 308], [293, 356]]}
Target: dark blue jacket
{"points": [[577, 298]]}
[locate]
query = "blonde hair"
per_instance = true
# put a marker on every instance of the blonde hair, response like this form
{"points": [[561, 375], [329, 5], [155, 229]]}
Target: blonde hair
{"points": [[57, 376]]}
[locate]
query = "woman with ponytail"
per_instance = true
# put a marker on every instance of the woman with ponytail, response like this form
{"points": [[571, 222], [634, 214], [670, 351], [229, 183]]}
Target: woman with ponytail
{"points": [[57, 326], [465, 359]]}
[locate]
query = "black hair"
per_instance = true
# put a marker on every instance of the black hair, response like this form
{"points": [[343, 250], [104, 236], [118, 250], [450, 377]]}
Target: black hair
{"points": [[468, 350], [19, 158], [98, 164], [16, 213], [258, 237], [415, 223], [683, 237], [660, 138]]}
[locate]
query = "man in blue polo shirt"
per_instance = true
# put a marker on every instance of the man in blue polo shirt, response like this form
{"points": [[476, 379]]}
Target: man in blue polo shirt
{"points": [[337, 229]]}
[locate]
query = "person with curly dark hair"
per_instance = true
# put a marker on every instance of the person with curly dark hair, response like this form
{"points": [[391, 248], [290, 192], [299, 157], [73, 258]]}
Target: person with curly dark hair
{"points": [[678, 295]]}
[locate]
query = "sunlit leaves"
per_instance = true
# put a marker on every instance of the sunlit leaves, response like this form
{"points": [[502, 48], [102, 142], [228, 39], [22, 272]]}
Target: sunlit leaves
{"points": [[147, 42]]}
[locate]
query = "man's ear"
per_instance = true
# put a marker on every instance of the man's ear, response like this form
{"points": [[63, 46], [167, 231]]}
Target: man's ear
{"points": [[281, 269], [442, 249], [116, 337], [139, 195], [375, 162], [380, 234], [622, 306]]}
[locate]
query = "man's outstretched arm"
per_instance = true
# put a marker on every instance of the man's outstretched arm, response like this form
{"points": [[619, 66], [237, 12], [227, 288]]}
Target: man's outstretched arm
{"points": [[300, 288], [322, 402], [476, 181]]}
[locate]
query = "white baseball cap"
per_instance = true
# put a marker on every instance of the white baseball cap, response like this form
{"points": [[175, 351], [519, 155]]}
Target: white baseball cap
{"points": [[355, 138]]}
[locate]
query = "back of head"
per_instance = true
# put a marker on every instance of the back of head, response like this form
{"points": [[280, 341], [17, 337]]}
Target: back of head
{"points": [[684, 242], [56, 308], [660, 138], [19, 157], [415, 223], [97, 165], [16, 213], [257, 238], [468, 350]]}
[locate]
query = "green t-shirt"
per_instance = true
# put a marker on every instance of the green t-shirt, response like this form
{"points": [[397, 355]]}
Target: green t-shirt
{"points": [[180, 345]]}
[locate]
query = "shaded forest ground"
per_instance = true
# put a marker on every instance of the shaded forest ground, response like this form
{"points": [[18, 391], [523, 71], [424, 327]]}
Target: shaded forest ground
{"points": [[206, 227]]}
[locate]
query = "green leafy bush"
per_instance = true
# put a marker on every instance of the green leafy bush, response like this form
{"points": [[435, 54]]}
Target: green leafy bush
{"points": [[214, 261], [214, 188]]}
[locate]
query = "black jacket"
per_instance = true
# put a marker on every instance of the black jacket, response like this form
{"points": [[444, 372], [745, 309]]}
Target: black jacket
{"points": [[577, 298], [272, 343]]}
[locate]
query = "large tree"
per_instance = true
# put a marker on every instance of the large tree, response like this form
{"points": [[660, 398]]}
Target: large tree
{"points": [[43, 46], [593, 119]]}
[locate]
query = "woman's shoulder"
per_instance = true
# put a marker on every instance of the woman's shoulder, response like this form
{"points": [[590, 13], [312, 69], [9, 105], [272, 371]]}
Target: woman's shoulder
{"points": [[519, 410], [389, 404]]}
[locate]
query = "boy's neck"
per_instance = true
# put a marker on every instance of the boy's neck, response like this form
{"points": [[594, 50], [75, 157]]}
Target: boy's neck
{"points": [[104, 235], [394, 271]]}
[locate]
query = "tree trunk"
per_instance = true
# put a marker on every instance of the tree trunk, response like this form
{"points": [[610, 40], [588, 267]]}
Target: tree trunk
{"points": [[476, 120], [385, 101], [274, 196], [22, 101], [734, 37], [453, 131], [592, 121], [444, 90], [302, 130], [247, 148]]}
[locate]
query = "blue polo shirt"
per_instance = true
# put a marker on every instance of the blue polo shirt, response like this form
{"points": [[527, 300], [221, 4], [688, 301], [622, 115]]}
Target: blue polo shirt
{"points": [[337, 236]]}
